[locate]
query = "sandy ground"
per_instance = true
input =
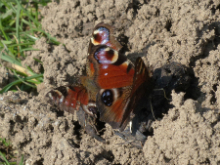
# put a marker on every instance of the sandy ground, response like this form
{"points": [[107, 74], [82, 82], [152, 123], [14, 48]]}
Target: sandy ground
{"points": [[187, 32]]}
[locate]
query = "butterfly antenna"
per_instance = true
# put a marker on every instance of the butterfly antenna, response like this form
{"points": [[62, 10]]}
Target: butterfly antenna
{"points": [[164, 93], [94, 127], [103, 129]]}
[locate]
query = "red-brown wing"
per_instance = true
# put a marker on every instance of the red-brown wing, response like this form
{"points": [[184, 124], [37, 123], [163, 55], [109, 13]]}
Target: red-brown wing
{"points": [[111, 104], [141, 86], [103, 34], [70, 98]]}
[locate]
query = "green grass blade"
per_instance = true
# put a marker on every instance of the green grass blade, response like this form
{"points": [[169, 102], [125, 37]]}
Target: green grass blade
{"points": [[4, 158], [39, 61], [7, 87], [22, 160], [28, 49], [2, 30], [6, 42], [4, 142], [10, 59], [28, 84], [17, 20]]}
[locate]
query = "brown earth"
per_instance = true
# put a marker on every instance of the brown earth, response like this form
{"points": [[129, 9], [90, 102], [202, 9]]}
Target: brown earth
{"points": [[166, 31]]}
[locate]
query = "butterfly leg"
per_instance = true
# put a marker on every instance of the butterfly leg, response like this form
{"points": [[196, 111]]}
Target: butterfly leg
{"points": [[91, 122], [164, 93], [152, 110], [88, 123], [90, 128], [136, 140], [92, 131]]}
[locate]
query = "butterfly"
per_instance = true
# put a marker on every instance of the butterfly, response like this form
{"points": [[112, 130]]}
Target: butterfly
{"points": [[112, 85]]}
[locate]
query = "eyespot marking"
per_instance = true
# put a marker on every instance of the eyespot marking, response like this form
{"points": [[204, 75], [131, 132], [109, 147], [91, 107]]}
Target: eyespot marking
{"points": [[108, 96], [100, 36], [106, 55]]}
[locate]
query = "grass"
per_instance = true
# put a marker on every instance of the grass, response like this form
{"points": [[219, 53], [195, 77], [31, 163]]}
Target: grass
{"points": [[20, 28], [5, 154]]}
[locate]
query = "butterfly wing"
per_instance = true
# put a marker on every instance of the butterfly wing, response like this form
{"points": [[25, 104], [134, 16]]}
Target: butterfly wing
{"points": [[142, 85], [117, 104], [70, 98], [111, 69], [103, 34], [111, 105]]}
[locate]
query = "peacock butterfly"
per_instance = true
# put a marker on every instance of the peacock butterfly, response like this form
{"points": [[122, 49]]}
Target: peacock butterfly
{"points": [[112, 86]]}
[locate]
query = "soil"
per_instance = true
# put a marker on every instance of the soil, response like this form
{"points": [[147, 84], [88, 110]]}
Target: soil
{"points": [[161, 32]]}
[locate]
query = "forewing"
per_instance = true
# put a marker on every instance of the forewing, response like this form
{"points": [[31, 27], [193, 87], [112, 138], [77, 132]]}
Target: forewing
{"points": [[103, 34], [69, 98]]}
